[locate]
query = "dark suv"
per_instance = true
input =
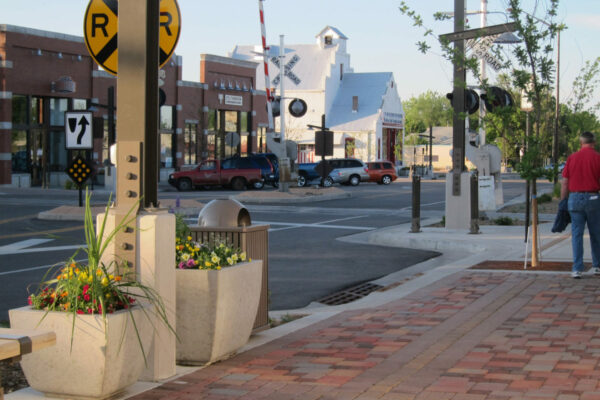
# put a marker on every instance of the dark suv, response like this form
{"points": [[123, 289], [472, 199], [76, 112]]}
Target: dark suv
{"points": [[267, 168]]}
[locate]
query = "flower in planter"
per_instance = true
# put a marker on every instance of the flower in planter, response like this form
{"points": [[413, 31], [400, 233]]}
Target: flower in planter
{"points": [[94, 287], [193, 255]]}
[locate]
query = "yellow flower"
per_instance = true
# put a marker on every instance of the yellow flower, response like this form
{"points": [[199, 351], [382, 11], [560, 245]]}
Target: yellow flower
{"points": [[98, 272], [219, 267], [243, 256], [189, 238], [229, 260], [185, 256], [90, 279], [104, 281], [234, 257], [107, 295], [207, 263], [111, 276], [215, 259]]}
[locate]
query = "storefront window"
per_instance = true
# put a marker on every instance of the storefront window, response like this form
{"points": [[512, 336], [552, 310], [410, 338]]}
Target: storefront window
{"points": [[166, 152], [189, 144], [166, 118], [19, 110], [212, 123], [58, 153], [261, 139], [19, 151], [37, 111], [211, 145], [244, 122], [231, 121], [57, 111], [79, 104]]}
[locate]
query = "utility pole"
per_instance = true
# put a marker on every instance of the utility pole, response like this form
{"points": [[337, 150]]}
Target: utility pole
{"points": [[557, 110]]}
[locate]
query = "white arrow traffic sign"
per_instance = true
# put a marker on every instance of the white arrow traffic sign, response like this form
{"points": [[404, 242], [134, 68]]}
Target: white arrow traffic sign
{"points": [[78, 129]]}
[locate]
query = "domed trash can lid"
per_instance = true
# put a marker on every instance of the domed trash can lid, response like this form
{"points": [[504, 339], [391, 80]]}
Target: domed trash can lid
{"points": [[224, 213]]}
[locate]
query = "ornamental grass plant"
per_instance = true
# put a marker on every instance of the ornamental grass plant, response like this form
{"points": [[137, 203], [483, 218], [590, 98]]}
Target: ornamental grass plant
{"points": [[93, 287]]}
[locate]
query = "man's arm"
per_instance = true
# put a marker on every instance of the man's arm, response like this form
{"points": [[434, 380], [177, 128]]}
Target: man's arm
{"points": [[564, 188]]}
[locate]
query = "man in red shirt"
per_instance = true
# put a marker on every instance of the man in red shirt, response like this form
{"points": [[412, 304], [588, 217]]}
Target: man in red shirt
{"points": [[581, 183]]}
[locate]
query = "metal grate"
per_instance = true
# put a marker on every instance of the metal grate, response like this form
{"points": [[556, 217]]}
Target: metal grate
{"points": [[349, 295]]}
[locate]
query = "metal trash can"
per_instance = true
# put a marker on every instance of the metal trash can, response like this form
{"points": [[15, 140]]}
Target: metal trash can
{"points": [[229, 221]]}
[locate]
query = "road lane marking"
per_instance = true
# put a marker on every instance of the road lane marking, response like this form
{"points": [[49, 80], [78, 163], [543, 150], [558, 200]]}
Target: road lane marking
{"points": [[40, 249], [18, 246], [4, 221], [38, 233], [17, 271]]}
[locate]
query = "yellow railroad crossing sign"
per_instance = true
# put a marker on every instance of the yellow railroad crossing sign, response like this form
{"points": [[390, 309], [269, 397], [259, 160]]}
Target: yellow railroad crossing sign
{"points": [[100, 28]]}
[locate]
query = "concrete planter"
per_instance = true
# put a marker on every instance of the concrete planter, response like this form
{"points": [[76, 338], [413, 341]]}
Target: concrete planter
{"points": [[101, 364], [216, 311]]}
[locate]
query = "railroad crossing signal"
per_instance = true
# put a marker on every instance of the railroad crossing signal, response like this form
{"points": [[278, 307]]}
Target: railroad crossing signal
{"points": [[79, 171], [101, 25]]}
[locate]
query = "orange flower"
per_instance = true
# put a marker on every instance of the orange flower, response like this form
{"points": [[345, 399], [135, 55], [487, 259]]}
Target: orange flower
{"points": [[117, 278]]}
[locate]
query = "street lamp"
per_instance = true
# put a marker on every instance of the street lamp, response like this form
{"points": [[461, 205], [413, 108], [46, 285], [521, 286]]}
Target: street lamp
{"points": [[557, 109]]}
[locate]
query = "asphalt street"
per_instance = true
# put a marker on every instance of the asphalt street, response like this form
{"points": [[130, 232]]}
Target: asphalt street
{"points": [[306, 261]]}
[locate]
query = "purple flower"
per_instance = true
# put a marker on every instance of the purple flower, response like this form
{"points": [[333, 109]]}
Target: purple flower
{"points": [[191, 263]]}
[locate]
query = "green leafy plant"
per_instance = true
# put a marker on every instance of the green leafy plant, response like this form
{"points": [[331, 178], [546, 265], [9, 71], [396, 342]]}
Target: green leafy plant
{"points": [[504, 221], [545, 198], [92, 287], [190, 254]]}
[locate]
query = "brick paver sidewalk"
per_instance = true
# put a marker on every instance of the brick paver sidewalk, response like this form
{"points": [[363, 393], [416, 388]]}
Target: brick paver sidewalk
{"points": [[472, 336]]}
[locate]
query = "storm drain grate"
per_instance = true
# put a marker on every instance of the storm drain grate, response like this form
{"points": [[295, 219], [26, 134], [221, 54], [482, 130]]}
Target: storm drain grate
{"points": [[349, 295]]}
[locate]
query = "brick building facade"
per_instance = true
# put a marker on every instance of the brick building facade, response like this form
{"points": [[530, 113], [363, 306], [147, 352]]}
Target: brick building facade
{"points": [[43, 74]]}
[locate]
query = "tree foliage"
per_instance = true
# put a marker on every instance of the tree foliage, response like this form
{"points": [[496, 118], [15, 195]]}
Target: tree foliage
{"points": [[426, 110]]}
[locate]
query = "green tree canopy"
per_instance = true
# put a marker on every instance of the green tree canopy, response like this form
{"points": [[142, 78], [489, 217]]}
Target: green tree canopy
{"points": [[426, 110]]}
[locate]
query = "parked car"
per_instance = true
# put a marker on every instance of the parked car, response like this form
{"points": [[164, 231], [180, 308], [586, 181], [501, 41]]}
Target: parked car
{"points": [[382, 172], [275, 162], [267, 170], [348, 171], [550, 166], [237, 172]]}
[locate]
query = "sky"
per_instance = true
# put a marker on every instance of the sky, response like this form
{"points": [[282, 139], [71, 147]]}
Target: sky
{"points": [[380, 38]]}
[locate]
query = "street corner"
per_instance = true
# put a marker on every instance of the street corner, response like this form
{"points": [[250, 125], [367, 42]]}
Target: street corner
{"points": [[294, 195]]}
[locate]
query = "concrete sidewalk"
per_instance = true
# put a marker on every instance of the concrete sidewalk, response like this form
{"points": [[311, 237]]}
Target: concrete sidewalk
{"points": [[437, 330]]}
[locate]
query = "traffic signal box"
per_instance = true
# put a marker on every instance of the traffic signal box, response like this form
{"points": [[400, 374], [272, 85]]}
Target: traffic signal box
{"points": [[494, 98], [79, 171]]}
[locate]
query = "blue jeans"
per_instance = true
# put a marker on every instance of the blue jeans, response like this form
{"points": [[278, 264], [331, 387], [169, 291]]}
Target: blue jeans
{"points": [[584, 207]]}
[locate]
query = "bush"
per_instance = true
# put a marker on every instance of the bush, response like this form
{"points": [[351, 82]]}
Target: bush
{"points": [[504, 221], [556, 190], [69, 184], [545, 198]]}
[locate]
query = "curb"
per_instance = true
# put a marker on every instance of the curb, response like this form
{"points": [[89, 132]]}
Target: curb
{"points": [[291, 200]]}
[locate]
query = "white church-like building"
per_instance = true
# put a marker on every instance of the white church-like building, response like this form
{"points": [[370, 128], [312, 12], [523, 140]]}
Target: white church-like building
{"points": [[363, 110]]}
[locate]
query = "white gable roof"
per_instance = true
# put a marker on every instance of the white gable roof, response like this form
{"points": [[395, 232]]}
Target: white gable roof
{"points": [[370, 89], [334, 30], [311, 68]]}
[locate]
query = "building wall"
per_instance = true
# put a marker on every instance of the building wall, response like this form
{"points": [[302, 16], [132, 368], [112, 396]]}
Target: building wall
{"points": [[32, 61]]}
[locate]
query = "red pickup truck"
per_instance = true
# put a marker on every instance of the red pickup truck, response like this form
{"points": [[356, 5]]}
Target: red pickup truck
{"points": [[237, 172]]}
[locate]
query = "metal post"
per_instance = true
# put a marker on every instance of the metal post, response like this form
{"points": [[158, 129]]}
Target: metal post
{"points": [[458, 124], [416, 204], [483, 74], [431, 151], [284, 171], [527, 187], [474, 205], [112, 135], [557, 110]]}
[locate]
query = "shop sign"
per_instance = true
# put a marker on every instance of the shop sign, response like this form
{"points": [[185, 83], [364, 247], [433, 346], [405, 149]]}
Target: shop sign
{"points": [[234, 100]]}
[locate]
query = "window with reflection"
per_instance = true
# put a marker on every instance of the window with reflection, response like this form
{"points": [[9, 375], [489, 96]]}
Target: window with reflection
{"points": [[166, 118], [19, 110], [189, 143], [166, 150], [57, 111], [18, 149], [79, 104]]}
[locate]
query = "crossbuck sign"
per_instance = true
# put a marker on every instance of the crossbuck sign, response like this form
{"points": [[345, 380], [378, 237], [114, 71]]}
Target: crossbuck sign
{"points": [[287, 70]]}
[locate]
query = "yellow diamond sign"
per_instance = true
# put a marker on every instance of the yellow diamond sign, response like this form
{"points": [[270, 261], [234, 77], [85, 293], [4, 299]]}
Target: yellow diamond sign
{"points": [[101, 26]]}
